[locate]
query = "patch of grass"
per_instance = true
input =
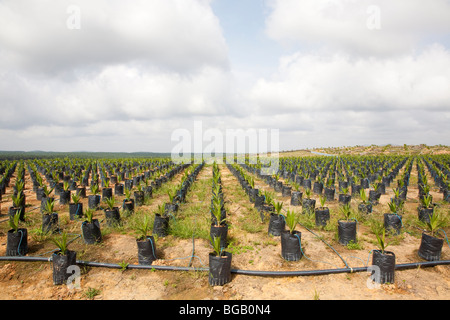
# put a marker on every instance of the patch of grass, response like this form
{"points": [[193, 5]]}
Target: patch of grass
{"points": [[90, 293]]}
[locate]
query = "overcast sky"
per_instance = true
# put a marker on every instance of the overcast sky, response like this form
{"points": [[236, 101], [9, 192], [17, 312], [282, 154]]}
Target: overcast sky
{"points": [[110, 75]]}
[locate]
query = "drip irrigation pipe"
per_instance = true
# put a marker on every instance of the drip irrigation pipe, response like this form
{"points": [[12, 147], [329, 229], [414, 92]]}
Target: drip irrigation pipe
{"points": [[316, 272]]}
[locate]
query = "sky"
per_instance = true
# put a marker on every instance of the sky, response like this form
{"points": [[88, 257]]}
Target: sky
{"points": [[126, 76]]}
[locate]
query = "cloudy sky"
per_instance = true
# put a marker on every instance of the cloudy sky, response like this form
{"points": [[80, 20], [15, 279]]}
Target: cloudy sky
{"points": [[110, 75]]}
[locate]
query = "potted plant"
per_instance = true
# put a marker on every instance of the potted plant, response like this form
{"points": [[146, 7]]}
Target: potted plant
{"points": [[432, 241], [76, 207], [365, 206], [219, 227], [346, 226], [119, 187], [426, 208], [393, 221], [329, 190], [291, 239], [322, 214], [277, 222], [107, 191], [81, 188], [17, 206], [384, 260], [161, 222], [46, 196], [171, 207], [17, 238], [145, 243], [50, 218], [344, 196], [308, 204], [296, 196], [219, 264], [64, 195], [94, 198], [62, 260], [318, 185], [112, 212], [139, 196], [91, 228], [128, 202]]}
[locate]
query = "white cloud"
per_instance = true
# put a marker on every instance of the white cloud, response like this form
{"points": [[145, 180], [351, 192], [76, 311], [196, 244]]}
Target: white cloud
{"points": [[343, 24], [178, 35]]}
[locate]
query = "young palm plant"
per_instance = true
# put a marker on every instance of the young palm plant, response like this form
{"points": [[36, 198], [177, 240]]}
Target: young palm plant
{"points": [[145, 242], [62, 259]]}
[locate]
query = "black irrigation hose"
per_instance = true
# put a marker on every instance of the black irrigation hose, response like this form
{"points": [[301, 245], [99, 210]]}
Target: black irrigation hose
{"points": [[316, 272]]}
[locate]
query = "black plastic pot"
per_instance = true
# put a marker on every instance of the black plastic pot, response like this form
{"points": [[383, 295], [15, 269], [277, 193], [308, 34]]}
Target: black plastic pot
{"points": [[64, 197], [112, 216], [60, 265], [308, 206], [276, 224], [146, 250], [161, 225], [392, 222], [346, 231], [425, 214], [219, 269], [91, 232], [50, 223], [279, 186], [171, 208], [290, 245], [344, 198], [118, 189], [75, 210], [356, 188], [139, 198], [259, 201], [430, 247], [94, 201], [386, 264], [17, 242], [374, 196], [329, 193], [252, 194], [296, 198], [322, 216], [318, 187], [107, 193], [128, 206], [365, 208], [286, 191], [307, 183], [220, 231]]}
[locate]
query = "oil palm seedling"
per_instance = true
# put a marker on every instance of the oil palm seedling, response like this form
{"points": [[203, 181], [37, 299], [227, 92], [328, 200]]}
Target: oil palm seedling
{"points": [[432, 241], [219, 227], [322, 214], [383, 259], [112, 212], [91, 228], [344, 196], [346, 226], [107, 191], [145, 243], [365, 206], [291, 238], [94, 198], [18, 206], [50, 218], [75, 207], [128, 202], [17, 238], [219, 264], [426, 208], [393, 220], [161, 222], [296, 195], [139, 196], [62, 260], [329, 189], [277, 221], [374, 194], [308, 204]]}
